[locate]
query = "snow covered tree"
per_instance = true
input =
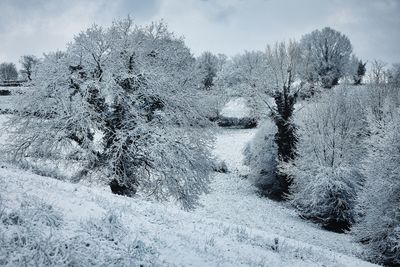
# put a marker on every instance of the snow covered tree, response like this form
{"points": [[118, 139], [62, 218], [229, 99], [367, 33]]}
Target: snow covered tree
{"points": [[283, 60], [394, 77], [28, 63], [326, 175], [356, 70], [379, 226], [124, 99], [208, 65], [246, 69], [280, 68], [379, 229], [8, 72], [378, 71], [328, 53], [243, 75]]}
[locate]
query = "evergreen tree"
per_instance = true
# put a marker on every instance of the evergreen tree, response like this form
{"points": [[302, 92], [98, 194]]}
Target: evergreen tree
{"points": [[361, 70]]}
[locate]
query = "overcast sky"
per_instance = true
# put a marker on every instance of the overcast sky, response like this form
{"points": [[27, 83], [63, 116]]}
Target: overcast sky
{"points": [[220, 26]]}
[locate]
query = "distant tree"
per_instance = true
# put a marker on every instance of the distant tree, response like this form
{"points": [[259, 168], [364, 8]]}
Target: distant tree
{"points": [[222, 59], [208, 66], [328, 53], [378, 71], [28, 63], [357, 70], [246, 75], [8, 72], [394, 77], [361, 70], [243, 72]]}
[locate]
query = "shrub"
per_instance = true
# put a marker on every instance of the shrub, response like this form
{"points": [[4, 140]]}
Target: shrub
{"points": [[379, 202], [243, 123], [261, 157], [221, 167], [326, 175]]}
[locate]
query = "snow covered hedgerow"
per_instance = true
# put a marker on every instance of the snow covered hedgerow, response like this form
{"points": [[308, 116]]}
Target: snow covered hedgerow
{"points": [[123, 102], [245, 123], [326, 174], [379, 202], [261, 157]]}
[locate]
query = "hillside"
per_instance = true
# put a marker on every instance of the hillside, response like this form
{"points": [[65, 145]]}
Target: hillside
{"points": [[232, 227]]}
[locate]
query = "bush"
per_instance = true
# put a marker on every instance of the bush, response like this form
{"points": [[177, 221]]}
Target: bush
{"points": [[326, 175], [328, 198], [379, 203], [221, 167], [5, 92], [243, 123], [261, 157]]}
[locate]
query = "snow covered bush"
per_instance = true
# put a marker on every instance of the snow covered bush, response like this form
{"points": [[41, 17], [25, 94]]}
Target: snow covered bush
{"points": [[35, 234], [208, 65], [220, 166], [379, 202], [326, 174], [244, 123], [261, 157], [379, 228], [123, 102]]}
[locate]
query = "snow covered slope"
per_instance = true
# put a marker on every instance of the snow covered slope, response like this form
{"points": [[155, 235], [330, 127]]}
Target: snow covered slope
{"points": [[233, 227]]}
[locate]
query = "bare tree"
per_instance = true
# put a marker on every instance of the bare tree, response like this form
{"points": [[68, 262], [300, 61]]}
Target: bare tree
{"points": [[28, 63], [208, 66], [394, 77], [8, 72], [378, 71]]}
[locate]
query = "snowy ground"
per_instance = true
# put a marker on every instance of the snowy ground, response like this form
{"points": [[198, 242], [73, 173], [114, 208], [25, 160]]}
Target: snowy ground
{"points": [[236, 108], [232, 227], [8, 102]]}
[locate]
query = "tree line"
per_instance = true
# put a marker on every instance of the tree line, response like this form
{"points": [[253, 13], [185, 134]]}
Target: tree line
{"points": [[9, 72]]}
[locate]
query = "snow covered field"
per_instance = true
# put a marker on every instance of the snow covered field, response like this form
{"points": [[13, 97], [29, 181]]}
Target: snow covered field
{"points": [[232, 227]]}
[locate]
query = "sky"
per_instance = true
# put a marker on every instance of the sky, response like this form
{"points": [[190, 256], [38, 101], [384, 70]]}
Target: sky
{"points": [[220, 26]]}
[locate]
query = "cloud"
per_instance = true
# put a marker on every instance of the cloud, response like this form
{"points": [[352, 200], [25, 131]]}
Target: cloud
{"points": [[38, 26], [220, 26]]}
